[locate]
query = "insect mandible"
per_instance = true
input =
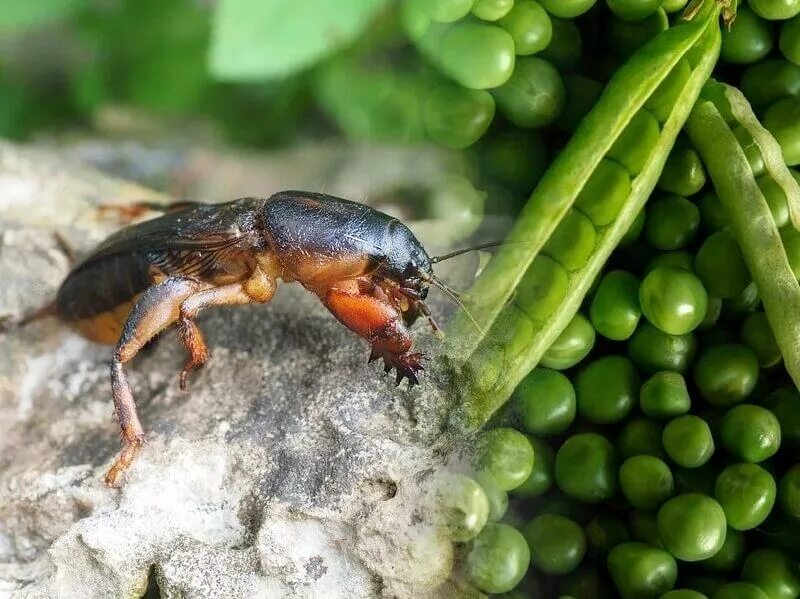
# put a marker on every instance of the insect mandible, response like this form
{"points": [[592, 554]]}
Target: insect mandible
{"points": [[367, 268]]}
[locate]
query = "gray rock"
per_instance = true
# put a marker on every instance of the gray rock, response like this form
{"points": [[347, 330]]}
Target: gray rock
{"points": [[291, 468]]}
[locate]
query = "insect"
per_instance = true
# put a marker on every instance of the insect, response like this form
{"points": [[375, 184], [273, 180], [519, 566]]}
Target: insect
{"points": [[366, 267]]}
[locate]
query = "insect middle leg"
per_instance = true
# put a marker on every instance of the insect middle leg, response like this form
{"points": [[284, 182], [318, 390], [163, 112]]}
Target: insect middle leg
{"points": [[258, 288]]}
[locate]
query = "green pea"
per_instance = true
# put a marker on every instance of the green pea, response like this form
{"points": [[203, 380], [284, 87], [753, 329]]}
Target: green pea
{"points": [[664, 395], [543, 288], [534, 95], [673, 300], [565, 47], [492, 10], [567, 9], [615, 310], [640, 436], [729, 557], [748, 40], [572, 242], [572, 345], [726, 374], [529, 25], [692, 526], [789, 41], [641, 570], [633, 10], [751, 433], [678, 259], [455, 117], [776, 10], [581, 93], [768, 81], [746, 493], [603, 532], [586, 467], [606, 389], [557, 543], [666, 95], [626, 37], [782, 119], [545, 402], [712, 212], [789, 492], [773, 571], [497, 499], [739, 590], [505, 455], [776, 199], [757, 334], [751, 150], [515, 159], [672, 223], [721, 267], [604, 193], [672, 6], [783, 403], [444, 11], [688, 441], [646, 481], [464, 504], [475, 55], [636, 142], [653, 350], [644, 527], [683, 173], [683, 594], [498, 558], [541, 477]]}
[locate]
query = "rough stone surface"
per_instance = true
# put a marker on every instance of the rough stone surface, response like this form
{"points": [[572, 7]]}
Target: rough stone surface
{"points": [[291, 468]]}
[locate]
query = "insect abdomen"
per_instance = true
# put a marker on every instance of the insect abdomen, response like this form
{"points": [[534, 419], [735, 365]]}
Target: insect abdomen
{"points": [[96, 297]]}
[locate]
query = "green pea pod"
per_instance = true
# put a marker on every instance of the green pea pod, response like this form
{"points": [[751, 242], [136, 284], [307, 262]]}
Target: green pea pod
{"points": [[750, 218], [584, 191], [738, 108]]}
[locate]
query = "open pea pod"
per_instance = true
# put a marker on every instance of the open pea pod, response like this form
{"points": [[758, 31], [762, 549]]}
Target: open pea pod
{"points": [[584, 204], [752, 223]]}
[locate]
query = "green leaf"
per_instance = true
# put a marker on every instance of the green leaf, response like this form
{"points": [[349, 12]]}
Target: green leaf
{"points": [[259, 39], [18, 15]]}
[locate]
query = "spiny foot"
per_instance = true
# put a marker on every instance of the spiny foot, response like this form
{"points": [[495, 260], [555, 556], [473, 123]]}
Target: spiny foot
{"points": [[407, 365]]}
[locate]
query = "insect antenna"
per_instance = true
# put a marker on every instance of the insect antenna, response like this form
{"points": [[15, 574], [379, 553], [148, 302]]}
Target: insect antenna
{"points": [[456, 300], [473, 248]]}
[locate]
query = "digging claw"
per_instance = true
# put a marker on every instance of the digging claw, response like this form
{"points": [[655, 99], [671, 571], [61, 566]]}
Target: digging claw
{"points": [[406, 365]]}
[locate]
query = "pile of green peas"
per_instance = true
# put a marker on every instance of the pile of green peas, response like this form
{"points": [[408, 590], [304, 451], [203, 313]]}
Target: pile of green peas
{"points": [[660, 432]]}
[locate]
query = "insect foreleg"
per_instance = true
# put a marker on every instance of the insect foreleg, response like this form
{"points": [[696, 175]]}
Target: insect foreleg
{"points": [[377, 321], [156, 309]]}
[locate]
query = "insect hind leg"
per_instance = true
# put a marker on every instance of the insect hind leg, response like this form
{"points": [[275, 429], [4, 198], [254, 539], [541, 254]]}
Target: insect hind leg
{"points": [[156, 309]]}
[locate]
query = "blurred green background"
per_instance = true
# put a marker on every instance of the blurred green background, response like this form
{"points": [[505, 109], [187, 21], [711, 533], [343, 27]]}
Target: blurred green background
{"points": [[250, 68]]}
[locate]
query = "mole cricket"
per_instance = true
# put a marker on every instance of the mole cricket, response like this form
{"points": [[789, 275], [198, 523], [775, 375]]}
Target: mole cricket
{"points": [[367, 268]]}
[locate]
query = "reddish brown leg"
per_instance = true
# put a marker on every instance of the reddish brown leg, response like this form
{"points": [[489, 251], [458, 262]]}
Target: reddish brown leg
{"points": [[156, 309], [233, 294], [377, 321]]}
